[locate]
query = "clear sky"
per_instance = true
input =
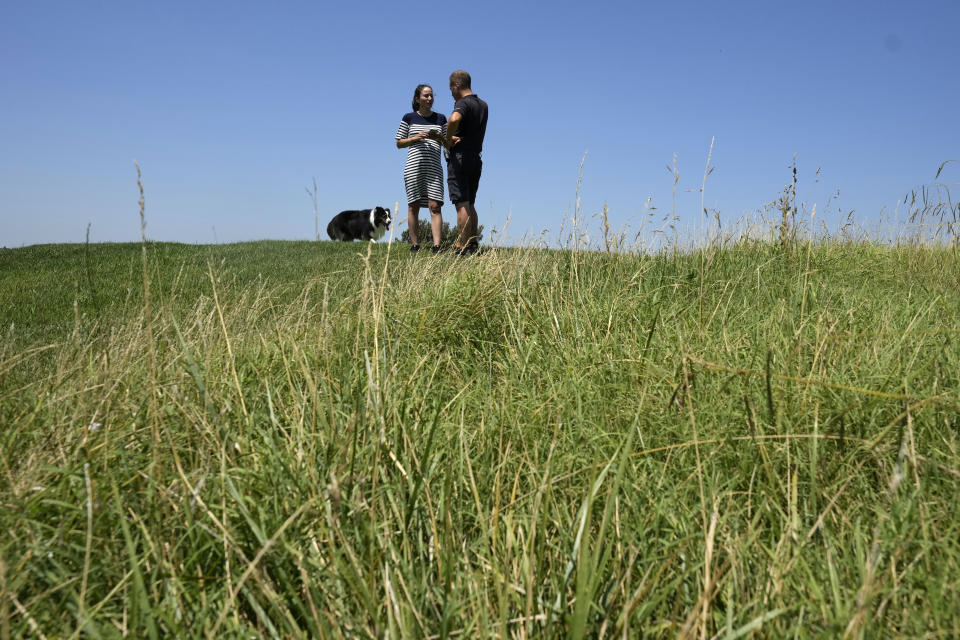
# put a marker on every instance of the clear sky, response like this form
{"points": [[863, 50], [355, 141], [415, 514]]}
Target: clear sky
{"points": [[232, 109]]}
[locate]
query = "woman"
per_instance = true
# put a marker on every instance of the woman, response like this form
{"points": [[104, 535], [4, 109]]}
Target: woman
{"points": [[420, 132]]}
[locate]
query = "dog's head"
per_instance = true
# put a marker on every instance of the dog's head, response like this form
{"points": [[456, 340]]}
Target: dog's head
{"points": [[380, 217]]}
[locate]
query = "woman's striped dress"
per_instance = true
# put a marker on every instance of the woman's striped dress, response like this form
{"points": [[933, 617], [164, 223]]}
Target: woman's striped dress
{"points": [[423, 173]]}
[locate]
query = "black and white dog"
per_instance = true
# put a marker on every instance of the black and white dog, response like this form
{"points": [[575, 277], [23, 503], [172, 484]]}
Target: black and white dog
{"points": [[360, 225]]}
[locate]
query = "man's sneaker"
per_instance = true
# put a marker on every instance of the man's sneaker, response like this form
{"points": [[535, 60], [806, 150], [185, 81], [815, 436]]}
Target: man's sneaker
{"points": [[469, 250], [414, 248], [436, 249]]}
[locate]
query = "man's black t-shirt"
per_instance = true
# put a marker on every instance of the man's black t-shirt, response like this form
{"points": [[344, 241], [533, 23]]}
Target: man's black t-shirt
{"points": [[473, 125]]}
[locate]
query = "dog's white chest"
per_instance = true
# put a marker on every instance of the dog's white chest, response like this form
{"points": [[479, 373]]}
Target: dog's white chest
{"points": [[378, 231]]}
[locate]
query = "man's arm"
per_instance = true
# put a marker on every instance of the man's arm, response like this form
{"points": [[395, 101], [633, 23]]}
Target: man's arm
{"points": [[452, 124]]}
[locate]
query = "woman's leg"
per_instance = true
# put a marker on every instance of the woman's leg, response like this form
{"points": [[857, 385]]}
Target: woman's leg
{"points": [[436, 222], [413, 220]]}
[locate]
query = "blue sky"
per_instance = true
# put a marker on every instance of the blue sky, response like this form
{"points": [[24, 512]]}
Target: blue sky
{"points": [[232, 109]]}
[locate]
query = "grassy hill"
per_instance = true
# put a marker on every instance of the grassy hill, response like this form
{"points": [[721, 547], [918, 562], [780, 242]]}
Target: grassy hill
{"points": [[314, 439]]}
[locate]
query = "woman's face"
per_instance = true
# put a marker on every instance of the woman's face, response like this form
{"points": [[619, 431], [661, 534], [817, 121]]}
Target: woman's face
{"points": [[426, 99]]}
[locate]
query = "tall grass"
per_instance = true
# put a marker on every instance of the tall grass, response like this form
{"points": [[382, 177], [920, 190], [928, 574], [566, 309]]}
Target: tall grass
{"points": [[740, 441]]}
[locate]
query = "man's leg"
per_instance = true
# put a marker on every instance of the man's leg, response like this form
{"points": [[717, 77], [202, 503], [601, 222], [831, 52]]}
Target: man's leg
{"points": [[474, 226], [463, 223]]}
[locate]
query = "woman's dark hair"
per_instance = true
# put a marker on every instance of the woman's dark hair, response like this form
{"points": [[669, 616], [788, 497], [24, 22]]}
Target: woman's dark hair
{"points": [[416, 95]]}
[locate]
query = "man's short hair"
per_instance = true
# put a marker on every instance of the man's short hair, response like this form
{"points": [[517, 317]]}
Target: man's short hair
{"points": [[460, 77]]}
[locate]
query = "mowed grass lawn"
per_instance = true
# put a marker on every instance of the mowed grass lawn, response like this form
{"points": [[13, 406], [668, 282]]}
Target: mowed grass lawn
{"points": [[294, 439]]}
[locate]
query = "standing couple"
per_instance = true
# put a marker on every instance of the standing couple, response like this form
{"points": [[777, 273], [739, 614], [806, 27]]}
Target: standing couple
{"points": [[424, 132]]}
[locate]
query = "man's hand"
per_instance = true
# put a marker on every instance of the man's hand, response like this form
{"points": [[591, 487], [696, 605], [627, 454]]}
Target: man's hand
{"points": [[450, 142]]}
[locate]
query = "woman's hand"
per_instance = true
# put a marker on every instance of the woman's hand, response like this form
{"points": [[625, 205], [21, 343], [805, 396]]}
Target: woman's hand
{"points": [[412, 140]]}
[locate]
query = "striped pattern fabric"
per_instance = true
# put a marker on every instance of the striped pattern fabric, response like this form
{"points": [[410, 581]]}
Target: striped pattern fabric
{"points": [[423, 173]]}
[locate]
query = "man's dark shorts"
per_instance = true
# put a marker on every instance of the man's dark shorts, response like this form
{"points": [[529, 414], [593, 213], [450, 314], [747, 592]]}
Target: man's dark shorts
{"points": [[463, 176]]}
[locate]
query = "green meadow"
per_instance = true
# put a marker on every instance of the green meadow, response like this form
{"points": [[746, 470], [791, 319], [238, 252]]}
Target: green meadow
{"points": [[755, 439]]}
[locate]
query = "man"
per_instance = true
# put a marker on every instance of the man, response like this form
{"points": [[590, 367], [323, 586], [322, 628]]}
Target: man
{"points": [[466, 127]]}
